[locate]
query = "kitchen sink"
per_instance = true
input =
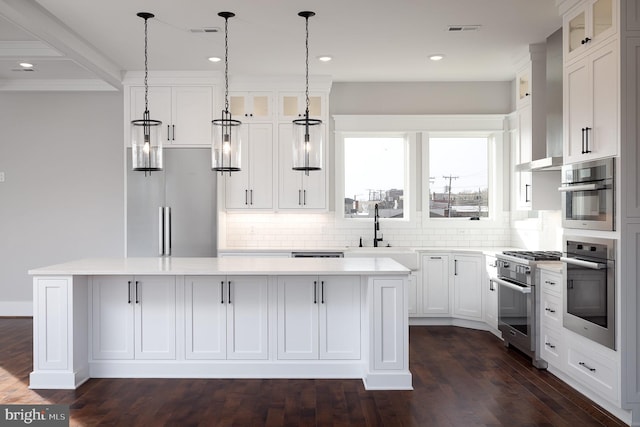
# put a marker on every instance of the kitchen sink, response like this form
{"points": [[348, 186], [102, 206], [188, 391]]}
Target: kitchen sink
{"points": [[405, 256]]}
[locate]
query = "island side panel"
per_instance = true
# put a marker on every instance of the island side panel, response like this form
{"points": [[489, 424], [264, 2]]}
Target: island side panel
{"points": [[60, 332], [389, 346]]}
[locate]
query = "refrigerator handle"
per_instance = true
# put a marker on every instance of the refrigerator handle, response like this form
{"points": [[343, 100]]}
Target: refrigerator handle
{"points": [[161, 230], [167, 230]]}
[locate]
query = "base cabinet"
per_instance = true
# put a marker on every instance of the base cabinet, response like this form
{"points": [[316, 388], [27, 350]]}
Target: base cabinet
{"points": [[133, 317], [490, 293], [319, 317], [435, 284], [467, 286], [226, 317]]}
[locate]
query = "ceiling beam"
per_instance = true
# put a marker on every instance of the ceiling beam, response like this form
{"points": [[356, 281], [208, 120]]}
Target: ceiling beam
{"points": [[39, 22]]}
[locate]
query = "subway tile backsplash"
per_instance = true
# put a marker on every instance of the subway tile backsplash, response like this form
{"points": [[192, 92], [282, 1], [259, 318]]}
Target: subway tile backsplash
{"points": [[323, 231]]}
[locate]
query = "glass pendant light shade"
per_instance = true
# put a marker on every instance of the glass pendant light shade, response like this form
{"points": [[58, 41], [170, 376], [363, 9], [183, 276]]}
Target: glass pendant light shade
{"points": [[307, 133], [307, 144], [146, 144], [146, 140], [226, 145], [226, 151]]}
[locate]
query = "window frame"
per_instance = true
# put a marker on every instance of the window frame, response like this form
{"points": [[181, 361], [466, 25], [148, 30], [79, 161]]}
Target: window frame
{"points": [[410, 215], [496, 174]]}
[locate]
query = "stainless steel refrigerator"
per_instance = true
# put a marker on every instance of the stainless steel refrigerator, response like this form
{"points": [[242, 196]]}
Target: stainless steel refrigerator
{"points": [[173, 212]]}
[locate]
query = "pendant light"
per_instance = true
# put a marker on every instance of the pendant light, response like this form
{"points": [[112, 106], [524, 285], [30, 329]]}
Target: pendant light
{"points": [[226, 152], [146, 141], [307, 133]]}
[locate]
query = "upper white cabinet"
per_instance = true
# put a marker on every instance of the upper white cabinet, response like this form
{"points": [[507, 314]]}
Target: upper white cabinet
{"points": [[589, 24], [467, 286], [292, 105], [251, 106], [253, 186], [591, 105], [185, 112], [226, 317], [133, 317], [298, 190], [319, 317]]}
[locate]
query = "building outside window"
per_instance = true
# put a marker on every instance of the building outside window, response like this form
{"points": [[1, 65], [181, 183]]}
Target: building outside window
{"points": [[374, 173], [458, 177]]}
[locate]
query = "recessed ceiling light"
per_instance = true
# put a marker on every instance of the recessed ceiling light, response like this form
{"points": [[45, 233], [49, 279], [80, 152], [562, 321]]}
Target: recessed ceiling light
{"points": [[26, 65], [324, 58], [215, 59], [436, 57]]}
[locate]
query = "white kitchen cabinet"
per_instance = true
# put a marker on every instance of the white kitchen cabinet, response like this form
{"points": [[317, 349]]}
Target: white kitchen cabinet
{"points": [[318, 317], [537, 190], [226, 317], [490, 291], [587, 26], [292, 106], [591, 105], [435, 285], [297, 190], [251, 106], [553, 347], [252, 187], [186, 112], [467, 286], [133, 317]]}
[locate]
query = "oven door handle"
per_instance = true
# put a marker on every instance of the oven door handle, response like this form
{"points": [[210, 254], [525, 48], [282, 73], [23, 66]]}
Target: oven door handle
{"points": [[582, 187], [582, 263], [521, 289]]}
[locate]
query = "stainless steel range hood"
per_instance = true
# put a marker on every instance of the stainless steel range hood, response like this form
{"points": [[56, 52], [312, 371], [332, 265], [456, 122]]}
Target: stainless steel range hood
{"points": [[553, 159]]}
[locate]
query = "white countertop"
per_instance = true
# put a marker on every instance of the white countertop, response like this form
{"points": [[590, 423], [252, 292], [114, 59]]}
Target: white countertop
{"points": [[225, 266]]}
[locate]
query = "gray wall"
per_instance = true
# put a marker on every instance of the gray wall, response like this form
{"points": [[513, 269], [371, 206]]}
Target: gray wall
{"points": [[422, 98], [62, 198]]}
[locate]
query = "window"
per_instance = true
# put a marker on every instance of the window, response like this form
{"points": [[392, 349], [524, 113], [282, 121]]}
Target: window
{"points": [[458, 177], [375, 173]]}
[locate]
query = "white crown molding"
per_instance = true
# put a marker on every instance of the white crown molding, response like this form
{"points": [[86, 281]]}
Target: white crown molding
{"points": [[55, 85], [173, 78]]}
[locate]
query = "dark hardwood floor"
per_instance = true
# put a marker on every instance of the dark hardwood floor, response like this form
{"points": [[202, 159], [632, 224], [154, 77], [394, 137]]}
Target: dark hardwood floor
{"points": [[461, 377]]}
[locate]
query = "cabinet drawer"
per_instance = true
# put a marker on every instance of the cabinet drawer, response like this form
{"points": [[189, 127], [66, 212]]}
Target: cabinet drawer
{"points": [[551, 310], [593, 369], [551, 282], [552, 346]]}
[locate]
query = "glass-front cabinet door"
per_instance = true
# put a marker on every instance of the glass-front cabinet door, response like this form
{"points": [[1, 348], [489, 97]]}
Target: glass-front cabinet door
{"points": [[588, 25]]}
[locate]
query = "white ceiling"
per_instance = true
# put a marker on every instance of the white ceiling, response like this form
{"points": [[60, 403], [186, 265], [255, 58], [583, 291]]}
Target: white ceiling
{"points": [[369, 40]]}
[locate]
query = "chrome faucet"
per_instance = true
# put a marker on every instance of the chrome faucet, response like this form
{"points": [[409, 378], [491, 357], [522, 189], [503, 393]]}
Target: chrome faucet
{"points": [[376, 227]]}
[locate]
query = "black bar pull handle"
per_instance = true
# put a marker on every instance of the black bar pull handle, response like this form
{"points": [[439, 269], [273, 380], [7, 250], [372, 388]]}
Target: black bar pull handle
{"points": [[137, 299], [229, 299], [586, 140], [246, 197], [129, 292], [173, 132], [322, 290], [222, 292], [455, 267], [315, 292]]}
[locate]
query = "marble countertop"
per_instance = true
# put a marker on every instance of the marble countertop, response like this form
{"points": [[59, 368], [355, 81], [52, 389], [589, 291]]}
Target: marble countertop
{"points": [[225, 266]]}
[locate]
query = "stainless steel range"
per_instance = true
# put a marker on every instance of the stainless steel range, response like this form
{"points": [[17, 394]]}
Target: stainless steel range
{"points": [[518, 299]]}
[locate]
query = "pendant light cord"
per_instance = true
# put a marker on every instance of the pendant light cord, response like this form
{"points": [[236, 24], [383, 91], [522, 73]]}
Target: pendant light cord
{"points": [[307, 64], [226, 64], [146, 69]]}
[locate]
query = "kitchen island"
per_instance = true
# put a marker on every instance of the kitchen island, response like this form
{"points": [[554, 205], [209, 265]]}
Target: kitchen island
{"points": [[221, 318]]}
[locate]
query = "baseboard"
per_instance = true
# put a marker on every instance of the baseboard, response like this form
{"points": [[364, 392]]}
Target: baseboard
{"points": [[16, 309]]}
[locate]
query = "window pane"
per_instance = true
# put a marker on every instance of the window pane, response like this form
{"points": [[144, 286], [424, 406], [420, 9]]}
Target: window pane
{"points": [[458, 177], [374, 174]]}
